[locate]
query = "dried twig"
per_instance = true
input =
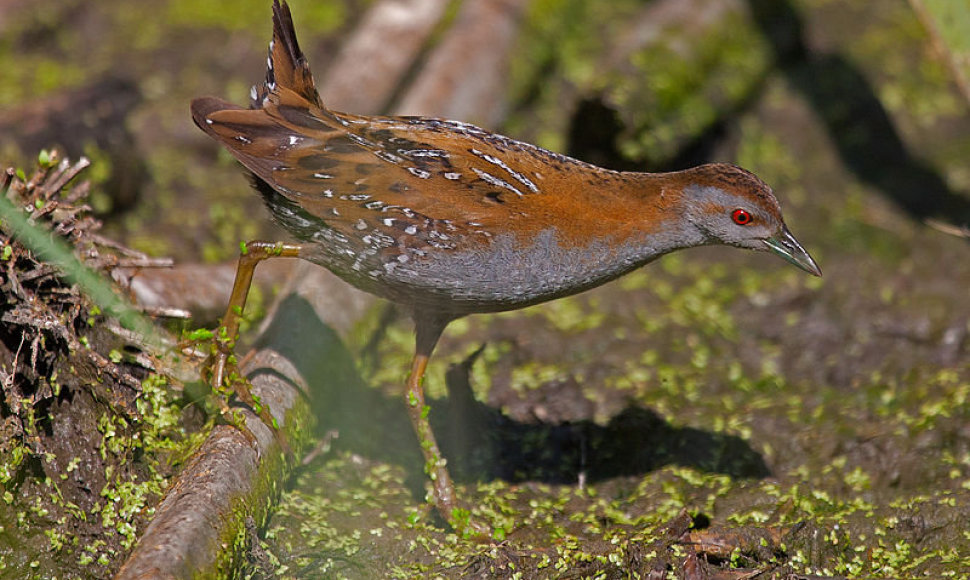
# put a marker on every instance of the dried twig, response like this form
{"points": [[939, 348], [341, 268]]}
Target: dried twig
{"points": [[951, 229]]}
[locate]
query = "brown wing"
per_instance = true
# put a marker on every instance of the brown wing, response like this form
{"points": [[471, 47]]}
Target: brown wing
{"points": [[393, 174], [421, 182]]}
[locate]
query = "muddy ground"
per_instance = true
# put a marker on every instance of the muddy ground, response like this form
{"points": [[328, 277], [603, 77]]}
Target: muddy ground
{"points": [[801, 426]]}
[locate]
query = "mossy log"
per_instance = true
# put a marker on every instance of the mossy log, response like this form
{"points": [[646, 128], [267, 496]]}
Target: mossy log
{"points": [[644, 82]]}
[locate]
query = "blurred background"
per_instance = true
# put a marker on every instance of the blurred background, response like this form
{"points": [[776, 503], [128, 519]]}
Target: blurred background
{"points": [[723, 362]]}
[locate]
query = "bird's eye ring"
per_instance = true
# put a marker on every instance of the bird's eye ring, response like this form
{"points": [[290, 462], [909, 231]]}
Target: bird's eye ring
{"points": [[741, 217]]}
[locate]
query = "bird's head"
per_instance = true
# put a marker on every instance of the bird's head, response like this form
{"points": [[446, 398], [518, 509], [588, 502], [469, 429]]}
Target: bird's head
{"points": [[732, 206]]}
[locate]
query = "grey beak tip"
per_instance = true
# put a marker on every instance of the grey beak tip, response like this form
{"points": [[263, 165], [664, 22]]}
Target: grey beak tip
{"points": [[785, 245]]}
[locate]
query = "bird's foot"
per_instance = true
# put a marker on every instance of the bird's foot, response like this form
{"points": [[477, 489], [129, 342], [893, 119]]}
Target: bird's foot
{"points": [[461, 519], [468, 527], [221, 372]]}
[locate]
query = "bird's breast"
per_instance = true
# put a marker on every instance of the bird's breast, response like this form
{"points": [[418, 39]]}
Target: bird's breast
{"points": [[511, 272]]}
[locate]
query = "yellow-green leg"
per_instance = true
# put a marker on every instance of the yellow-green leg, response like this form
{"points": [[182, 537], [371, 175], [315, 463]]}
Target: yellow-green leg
{"points": [[428, 330], [221, 368]]}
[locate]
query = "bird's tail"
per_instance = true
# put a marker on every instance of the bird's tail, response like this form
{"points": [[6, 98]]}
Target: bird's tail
{"points": [[286, 66], [280, 113]]}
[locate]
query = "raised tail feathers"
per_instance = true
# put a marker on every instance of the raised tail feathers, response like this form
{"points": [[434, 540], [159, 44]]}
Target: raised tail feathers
{"points": [[257, 135], [286, 66]]}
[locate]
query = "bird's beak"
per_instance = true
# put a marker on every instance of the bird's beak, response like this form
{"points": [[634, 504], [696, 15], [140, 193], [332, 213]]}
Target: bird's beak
{"points": [[785, 245]]}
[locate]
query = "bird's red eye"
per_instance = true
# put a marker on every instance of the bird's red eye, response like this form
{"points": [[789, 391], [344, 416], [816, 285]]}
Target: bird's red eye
{"points": [[741, 217]]}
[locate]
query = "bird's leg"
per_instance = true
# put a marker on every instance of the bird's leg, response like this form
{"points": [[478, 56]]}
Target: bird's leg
{"points": [[220, 369], [428, 330]]}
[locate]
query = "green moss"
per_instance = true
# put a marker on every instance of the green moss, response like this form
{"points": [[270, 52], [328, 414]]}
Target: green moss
{"points": [[670, 93], [125, 499], [764, 153], [29, 76], [588, 530], [917, 89], [254, 15], [558, 51], [854, 538], [854, 230]]}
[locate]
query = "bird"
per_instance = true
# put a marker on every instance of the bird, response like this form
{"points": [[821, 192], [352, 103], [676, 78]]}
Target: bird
{"points": [[447, 219]]}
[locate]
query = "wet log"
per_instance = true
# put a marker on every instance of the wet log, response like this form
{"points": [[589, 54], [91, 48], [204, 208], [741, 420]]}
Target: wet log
{"points": [[373, 63], [679, 69], [651, 81], [198, 290], [445, 87]]}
